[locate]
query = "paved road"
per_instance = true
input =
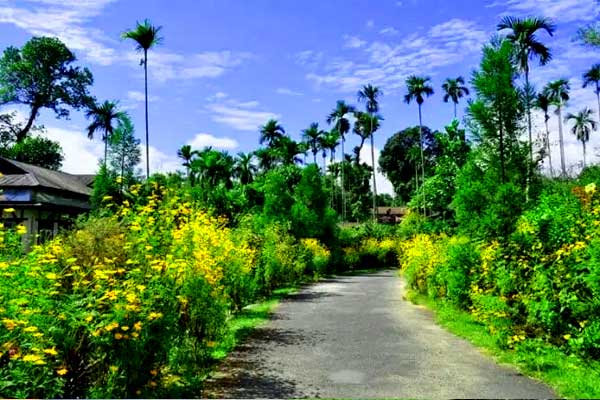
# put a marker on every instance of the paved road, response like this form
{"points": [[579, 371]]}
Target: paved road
{"points": [[354, 336]]}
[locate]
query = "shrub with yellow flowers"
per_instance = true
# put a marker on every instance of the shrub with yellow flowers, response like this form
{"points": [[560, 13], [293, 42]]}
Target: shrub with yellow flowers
{"points": [[131, 303]]}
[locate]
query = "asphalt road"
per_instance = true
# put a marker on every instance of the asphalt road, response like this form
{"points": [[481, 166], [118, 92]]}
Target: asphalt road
{"points": [[355, 336]]}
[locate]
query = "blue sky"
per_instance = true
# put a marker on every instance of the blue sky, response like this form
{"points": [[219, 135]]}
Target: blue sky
{"points": [[226, 66]]}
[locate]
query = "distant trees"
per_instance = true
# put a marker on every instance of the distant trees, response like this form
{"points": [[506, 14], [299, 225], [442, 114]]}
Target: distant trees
{"points": [[592, 78], [125, 153], [41, 75]]}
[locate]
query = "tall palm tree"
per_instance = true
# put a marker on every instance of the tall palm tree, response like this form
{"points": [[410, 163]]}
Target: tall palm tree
{"points": [[455, 89], [592, 76], [146, 37], [244, 168], [558, 93], [419, 88], [583, 125], [312, 136], [271, 133], [104, 118], [370, 95], [329, 141], [186, 154], [543, 103], [364, 127], [342, 125], [522, 34]]}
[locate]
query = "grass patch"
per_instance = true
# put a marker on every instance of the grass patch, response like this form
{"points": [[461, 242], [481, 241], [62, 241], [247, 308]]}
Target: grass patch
{"points": [[570, 376], [242, 324]]}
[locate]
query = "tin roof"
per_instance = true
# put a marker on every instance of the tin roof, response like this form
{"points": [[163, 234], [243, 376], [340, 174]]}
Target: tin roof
{"points": [[18, 174]]}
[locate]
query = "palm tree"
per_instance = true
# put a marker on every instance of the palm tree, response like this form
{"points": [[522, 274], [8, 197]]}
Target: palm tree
{"points": [[271, 133], [558, 93], [146, 37], [364, 126], [370, 95], [244, 168], [418, 87], [104, 117], [288, 151], [329, 141], [593, 77], [583, 125], [342, 125], [312, 136], [522, 34], [455, 89], [543, 103], [186, 154]]}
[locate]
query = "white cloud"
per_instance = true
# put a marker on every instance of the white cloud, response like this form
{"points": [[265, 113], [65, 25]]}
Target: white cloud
{"points": [[388, 64], [66, 20], [288, 92], [383, 184], [389, 31], [370, 24], [243, 116], [202, 140], [139, 96], [353, 42], [81, 154], [561, 10]]}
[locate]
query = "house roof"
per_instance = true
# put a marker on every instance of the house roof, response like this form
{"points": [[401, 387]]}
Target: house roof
{"points": [[392, 210], [18, 174]]}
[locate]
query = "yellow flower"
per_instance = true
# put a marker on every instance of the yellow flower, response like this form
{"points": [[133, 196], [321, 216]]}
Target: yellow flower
{"points": [[125, 328], [118, 336], [51, 276], [62, 371], [154, 315], [107, 198], [567, 336], [89, 318], [31, 329], [113, 368], [9, 210], [137, 326], [34, 358], [591, 188], [51, 352], [21, 230], [9, 324]]}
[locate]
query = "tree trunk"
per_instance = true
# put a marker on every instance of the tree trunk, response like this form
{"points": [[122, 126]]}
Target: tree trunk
{"points": [[455, 110], [315, 157], [146, 94], [502, 171], [561, 142], [342, 176], [584, 153], [548, 146], [422, 161], [374, 169], [530, 164], [105, 149], [598, 98], [22, 134]]}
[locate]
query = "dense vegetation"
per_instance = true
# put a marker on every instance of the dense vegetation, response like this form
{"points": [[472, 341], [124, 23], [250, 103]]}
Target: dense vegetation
{"points": [[133, 301]]}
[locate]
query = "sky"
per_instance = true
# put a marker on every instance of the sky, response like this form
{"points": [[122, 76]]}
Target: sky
{"points": [[227, 66]]}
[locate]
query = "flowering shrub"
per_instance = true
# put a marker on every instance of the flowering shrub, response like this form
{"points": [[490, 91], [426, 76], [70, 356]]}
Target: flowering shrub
{"points": [[132, 303], [543, 282]]}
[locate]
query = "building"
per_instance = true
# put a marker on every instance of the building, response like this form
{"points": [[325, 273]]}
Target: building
{"points": [[41, 199], [391, 215]]}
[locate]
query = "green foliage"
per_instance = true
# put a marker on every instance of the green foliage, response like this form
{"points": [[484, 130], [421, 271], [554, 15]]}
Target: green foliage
{"points": [[36, 150], [399, 159], [125, 153], [41, 75], [106, 185]]}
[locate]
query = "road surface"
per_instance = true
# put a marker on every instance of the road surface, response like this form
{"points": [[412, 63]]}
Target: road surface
{"points": [[355, 336]]}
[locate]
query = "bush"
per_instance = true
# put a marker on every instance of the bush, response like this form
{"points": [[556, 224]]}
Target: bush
{"points": [[132, 303]]}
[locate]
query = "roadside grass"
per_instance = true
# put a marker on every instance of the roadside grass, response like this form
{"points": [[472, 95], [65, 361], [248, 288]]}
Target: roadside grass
{"points": [[251, 316], [570, 376]]}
